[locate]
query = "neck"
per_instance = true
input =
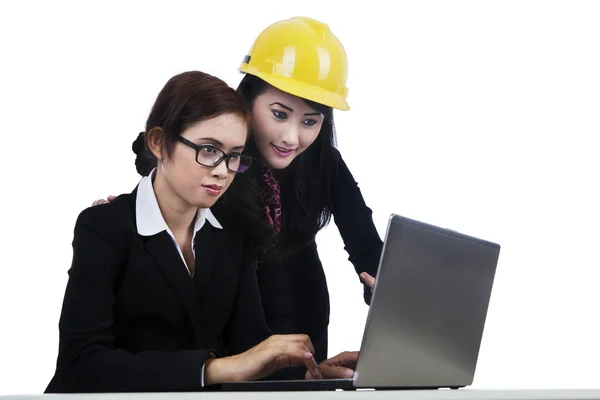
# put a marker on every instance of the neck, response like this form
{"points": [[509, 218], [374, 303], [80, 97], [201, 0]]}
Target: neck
{"points": [[177, 213]]}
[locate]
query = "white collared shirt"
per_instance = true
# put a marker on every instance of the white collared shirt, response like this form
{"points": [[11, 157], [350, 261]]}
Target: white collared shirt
{"points": [[149, 219]]}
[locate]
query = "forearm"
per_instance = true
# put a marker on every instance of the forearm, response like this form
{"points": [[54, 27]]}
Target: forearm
{"points": [[115, 370], [354, 220]]}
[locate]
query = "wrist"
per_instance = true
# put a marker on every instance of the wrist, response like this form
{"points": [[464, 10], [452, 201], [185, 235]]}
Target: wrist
{"points": [[219, 370]]}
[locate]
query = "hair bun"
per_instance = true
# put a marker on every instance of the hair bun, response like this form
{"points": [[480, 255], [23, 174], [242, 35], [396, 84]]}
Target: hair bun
{"points": [[138, 145], [144, 162]]}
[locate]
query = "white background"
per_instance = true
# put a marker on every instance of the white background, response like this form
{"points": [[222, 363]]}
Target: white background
{"points": [[478, 116]]}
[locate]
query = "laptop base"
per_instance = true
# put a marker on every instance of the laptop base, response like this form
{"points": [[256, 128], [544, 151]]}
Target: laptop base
{"points": [[310, 385], [289, 385]]}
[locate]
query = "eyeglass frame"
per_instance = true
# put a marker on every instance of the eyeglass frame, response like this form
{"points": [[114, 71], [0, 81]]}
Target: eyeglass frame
{"points": [[225, 157]]}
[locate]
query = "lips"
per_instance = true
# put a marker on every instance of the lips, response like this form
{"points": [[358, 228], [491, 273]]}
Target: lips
{"points": [[213, 189], [282, 151]]}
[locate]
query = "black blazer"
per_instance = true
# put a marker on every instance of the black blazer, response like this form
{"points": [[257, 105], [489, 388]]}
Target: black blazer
{"points": [[133, 320]]}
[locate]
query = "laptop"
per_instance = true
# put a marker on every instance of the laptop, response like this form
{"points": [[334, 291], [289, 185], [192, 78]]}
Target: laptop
{"points": [[427, 315]]}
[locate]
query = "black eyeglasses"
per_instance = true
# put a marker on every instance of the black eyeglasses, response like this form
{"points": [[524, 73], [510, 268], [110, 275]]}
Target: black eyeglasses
{"points": [[209, 156]]}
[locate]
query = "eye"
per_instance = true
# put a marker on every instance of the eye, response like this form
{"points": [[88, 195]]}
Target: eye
{"points": [[234, 156], [208, 149], [279, 114], [310, 122]]}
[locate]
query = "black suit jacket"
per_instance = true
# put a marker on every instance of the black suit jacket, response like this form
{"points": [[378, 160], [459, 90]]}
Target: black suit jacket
{"points": [[133, 319]]}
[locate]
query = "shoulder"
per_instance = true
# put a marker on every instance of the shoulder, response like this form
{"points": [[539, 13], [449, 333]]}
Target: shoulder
{"points": [[223, 212], [110, 220], [236, 230], [231, 227], [235, 216], [341, 171]]}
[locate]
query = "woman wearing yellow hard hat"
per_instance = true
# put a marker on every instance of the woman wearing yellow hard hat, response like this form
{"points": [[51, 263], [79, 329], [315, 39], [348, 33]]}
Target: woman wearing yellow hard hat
{"points": [[295, 75]]}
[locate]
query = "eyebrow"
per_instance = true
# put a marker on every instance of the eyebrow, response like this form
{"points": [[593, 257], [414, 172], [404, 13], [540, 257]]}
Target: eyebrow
{"points": [[291, 110], [219, 144]]}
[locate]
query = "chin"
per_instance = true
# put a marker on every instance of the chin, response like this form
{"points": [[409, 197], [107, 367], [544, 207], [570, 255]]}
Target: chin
{"points": [[206, 204], [203, 201], [280, 163]]}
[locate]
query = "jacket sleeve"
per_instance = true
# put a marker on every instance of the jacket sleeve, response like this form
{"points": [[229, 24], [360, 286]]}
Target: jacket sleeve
{"points": [[89, 360], [355, 223], [247, 325]]}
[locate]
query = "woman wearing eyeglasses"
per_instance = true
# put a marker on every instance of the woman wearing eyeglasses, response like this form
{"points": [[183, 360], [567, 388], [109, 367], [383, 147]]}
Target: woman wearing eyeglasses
{"points": [[162, 295], [295, 75]]}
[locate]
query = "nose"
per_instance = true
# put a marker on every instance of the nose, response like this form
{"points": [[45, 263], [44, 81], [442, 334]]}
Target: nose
{"points": [[290, 137], [220, 171]]}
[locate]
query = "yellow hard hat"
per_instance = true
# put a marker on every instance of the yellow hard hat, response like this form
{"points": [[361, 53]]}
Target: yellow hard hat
{"points": [[301, 56]]}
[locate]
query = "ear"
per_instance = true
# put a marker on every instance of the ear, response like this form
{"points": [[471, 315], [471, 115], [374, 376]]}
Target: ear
{"points": [[154, 138]]}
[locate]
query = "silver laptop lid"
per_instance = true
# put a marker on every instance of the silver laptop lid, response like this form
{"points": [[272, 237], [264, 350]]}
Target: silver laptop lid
{"points": [[428, 309]]}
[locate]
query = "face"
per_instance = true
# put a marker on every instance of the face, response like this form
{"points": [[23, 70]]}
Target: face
{"points": [[283, 127], [197, 185]]}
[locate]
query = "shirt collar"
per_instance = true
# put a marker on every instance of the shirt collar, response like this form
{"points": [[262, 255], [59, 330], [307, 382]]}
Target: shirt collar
{"points": [[149, 219]]}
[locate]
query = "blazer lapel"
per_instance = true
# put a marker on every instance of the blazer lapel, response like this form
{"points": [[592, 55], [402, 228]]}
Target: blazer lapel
{"points": [[206, 248], [164, 252]]}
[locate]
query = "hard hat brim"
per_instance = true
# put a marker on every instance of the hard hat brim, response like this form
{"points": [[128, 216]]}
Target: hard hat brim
{"points": [[300, 89]]}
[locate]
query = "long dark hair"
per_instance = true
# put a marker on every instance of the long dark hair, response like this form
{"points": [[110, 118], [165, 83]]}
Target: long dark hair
{"points": [[306, 183], [189, 98]]}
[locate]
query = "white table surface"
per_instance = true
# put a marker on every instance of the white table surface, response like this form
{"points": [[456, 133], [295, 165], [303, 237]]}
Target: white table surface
{"points": [[444, 394]]}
